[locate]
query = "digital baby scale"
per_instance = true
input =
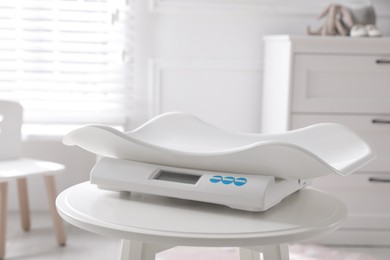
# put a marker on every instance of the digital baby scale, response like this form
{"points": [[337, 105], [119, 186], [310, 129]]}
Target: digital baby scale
{"points": [[239, 191], [178, 155]]}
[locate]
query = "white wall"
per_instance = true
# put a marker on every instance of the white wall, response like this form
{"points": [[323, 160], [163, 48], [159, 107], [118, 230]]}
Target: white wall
{"points": [[203, 57]]}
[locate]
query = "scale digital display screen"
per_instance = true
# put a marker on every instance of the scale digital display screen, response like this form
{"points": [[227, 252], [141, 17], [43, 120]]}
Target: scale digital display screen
{"points": [[177, 177]]}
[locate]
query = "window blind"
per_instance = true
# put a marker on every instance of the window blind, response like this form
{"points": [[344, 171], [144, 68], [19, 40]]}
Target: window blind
{"points": [[67, 61]]}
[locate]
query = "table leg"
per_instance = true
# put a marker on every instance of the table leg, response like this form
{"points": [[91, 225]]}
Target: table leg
{"points": [[276, 252], [131, 250], [248, 254], [136, 250]]}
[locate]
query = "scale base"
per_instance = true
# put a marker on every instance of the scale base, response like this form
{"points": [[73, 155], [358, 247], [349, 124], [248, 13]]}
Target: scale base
{"points": [[237, 191]]}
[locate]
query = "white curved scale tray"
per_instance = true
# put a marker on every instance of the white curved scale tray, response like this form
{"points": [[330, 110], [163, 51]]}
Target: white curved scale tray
{"points": [[182, 140]]}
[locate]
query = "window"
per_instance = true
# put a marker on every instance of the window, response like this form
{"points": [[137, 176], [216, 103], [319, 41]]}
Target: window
{"points": [[67, 61]]}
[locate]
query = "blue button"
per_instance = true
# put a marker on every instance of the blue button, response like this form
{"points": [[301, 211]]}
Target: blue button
{"points": [[228, 180], [216, 178], [240, 181]]}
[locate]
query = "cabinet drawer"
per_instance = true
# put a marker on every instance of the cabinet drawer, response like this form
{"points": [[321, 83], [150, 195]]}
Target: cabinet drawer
{"points": [[366, 200], [341, 83], [374, 129]]}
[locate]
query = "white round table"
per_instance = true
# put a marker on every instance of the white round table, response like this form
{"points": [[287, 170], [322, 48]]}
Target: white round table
{"points": [[148, 224]]}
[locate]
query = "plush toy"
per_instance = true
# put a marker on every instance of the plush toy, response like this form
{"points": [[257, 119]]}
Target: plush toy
{"points": [[338, 21], [343, 20]]}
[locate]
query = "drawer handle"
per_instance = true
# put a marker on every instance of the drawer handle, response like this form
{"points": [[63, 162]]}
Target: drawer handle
{"points": [[382, 180], [380, 121], [380, 61]]}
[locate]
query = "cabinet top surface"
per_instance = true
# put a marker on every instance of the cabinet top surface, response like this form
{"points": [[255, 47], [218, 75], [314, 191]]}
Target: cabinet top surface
{"points": [[304, 38], [345, 44]]}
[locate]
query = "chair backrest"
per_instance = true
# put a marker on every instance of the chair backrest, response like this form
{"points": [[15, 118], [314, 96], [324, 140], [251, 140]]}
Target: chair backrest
{"points": [[11, 118]]}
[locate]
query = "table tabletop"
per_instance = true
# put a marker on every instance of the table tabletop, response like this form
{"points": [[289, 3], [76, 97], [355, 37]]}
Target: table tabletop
{"points": [[162, 220]]}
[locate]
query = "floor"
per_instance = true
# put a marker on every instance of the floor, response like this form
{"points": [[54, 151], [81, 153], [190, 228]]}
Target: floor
{"points": [[39, 243]]}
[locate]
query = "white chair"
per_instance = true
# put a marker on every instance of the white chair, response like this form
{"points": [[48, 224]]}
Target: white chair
{"points": [[13, 166]]}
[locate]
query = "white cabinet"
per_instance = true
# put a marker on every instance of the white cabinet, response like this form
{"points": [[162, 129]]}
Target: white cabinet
{"points": [[309, 80], [341, 83]]}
